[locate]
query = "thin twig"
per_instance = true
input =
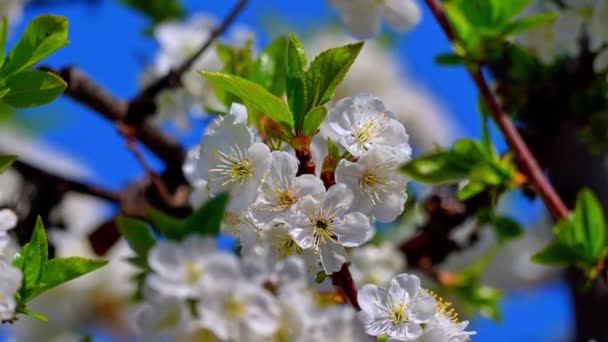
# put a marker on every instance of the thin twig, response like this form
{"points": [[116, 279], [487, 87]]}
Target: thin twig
{"points": [[514, 139], [143, 105]]}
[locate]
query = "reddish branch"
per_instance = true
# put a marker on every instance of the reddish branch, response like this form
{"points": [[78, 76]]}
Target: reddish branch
{"points": [[143, 106], [514, 139]]}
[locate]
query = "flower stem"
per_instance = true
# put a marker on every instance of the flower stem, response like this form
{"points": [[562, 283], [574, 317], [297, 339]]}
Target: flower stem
{"points": [[526, 159]]}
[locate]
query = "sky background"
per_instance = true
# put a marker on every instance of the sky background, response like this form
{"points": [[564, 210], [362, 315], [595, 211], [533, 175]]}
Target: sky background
{"points": [[106, 43]]}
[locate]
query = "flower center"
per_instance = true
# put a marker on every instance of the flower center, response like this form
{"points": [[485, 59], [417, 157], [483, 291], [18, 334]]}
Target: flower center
{"points": [[321, 224], [285, 247], [368, 180], [398, 314], [169, 320], [367, 132], [232, 167], [234, 308], [193, 273], [286, 199]]}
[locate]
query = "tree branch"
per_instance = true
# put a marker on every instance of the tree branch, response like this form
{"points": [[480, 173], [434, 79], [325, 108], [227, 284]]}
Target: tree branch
{"points": [[143, 105], [514, 139]]}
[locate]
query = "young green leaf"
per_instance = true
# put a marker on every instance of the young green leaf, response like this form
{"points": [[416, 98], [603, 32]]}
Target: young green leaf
{"points": [[169, 226], [43, 36], [506, 228], [3, 36], [530, 22], [33, 88], [32, 257], [589, 224], [254, 94], [313, 120], [61, 270], [22, 309], [450, 59], [555, 254], [327, 71], [435, 168], [137, 233], [208, 219], [470, 190], [269, 69], [295, 81], [6, 161]]}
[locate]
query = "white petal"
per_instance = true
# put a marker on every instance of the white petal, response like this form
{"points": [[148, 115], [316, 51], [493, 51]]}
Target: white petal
{"points": [[332, 256], [8, 220], [408, 283], [238, 114], [310, 185], [362, 18], [354, 230], [391, 206], [338, 199], [165, 257], [402, 14], [370, 298]]}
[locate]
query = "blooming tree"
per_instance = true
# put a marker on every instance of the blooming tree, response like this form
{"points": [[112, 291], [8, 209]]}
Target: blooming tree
{"points": [[313, 187]]}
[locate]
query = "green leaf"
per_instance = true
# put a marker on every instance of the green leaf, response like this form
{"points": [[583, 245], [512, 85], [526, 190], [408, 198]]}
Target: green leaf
{"points": [[61, 270], [332, 150], [6, 161], [237, 61], [555, 254], [589, 224], [435, 168], [313, 120], [470, 189], [507, 10], [327, 71], [3, 36], [254, 93], [208, 219], [35, 315], [157, 10], [137, 233], [533, 21], [269, 69], [169, 226], [43, 36], [506, 228], [296, 80], [450, 59], [31, 259], [33, 88]]}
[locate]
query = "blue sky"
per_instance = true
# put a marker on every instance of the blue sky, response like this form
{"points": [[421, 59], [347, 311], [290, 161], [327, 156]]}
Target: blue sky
{"points": [[106, 42]]}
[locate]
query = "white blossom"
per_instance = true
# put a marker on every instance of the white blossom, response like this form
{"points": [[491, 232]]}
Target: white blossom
{"points": [[378, 187], [399, 311], [281, 190], [230, 161], [183, 269], [445, 326], [362, 123], [160, 317], [8, 221], [10, 283], [363, 18], [239, 309], [327, 227], [376, 265]]}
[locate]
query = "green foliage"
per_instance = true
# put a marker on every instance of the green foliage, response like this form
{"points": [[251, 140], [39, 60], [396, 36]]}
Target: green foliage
{"points": [[138, 235], [21, 87], [580, 238], [483, 27], [327, 71], [313, 120], [32, 88], [41, 274], [6, 161], [281, 69], [296, 80], [505, 227], [205, 221], [466, 158], [236, 61], [268, 69], [157, 10], [253, 94]]}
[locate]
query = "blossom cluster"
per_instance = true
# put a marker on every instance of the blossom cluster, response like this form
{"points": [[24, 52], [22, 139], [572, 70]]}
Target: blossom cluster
{"points": [[575, 19], [10, 276], [197, 292], [272, 204]]}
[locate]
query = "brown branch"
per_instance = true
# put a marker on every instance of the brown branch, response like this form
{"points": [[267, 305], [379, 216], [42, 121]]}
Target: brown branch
{"points": [[143, 106], [84, 90], [62, 184], [514, 139]]}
